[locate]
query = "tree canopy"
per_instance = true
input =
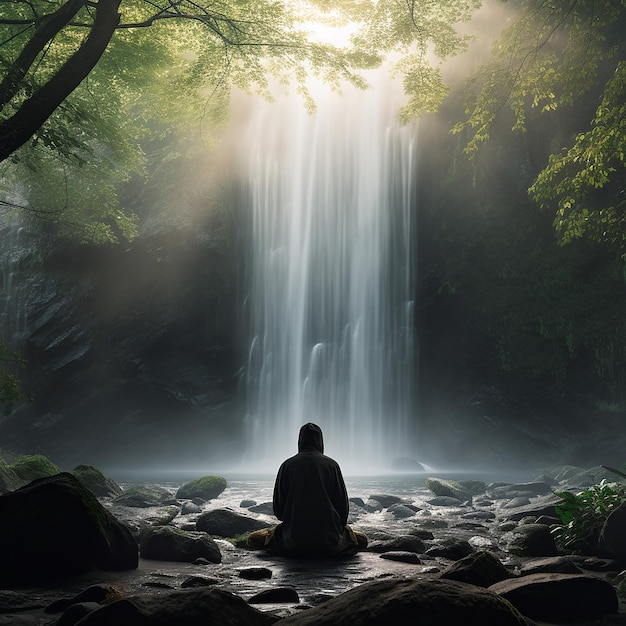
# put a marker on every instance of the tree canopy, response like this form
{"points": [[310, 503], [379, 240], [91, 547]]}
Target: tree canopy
{"points": [[84, 83], [558, 55]]}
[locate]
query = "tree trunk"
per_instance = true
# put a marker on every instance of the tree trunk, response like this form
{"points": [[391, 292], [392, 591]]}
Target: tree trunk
{"points": [[18, 129]]}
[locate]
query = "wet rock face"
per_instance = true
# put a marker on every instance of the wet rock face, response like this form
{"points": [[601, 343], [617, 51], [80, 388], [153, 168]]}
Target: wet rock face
{"points": [[118, 340]]}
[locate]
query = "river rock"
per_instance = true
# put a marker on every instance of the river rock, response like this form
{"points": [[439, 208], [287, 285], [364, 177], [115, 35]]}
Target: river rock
{"points": [[445, 501], [542, 505], [190, 507], [55, 527], [194, 607], [265, 508], [450, 488], [402, 511], [404, 543], [482, 569], [144, 496], [530, 540], [385, 499], [102, 486], [205, 487], [452, 548], [407, 601], [167, 543], [228, 523], [401, 556], [559, 597], [100, 594]]}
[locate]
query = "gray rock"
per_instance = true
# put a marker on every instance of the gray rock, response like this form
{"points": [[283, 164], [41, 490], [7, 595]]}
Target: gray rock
{"points": [[372, 506], [401, 556], [144, 496], [102, 486], [266, 508], [450, 488], [189, 507], [198, 581], [559, 597], [166, 543], [385, 499], [401, 511], [483, 515], [408, 601], [515, 503], [404, 543], [530, 540], [246, 504], [255, 573], [228, 523], [445, 501], [453, 549], [481, 569], [206, 487]]}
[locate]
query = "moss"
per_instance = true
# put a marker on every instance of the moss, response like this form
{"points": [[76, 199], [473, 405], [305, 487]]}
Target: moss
{"points": [[206, 487], [239, 541], [101, 485], [9, 480], [35, 466]]}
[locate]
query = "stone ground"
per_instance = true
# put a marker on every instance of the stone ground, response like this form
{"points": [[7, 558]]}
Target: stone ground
{"points": [[314, 581]]}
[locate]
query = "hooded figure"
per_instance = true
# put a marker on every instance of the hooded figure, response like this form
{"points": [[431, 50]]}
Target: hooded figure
{"points": [[311, 500]]}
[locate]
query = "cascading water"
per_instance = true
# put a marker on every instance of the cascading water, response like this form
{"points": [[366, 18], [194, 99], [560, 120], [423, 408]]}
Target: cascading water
{"points": [[331, 278]]}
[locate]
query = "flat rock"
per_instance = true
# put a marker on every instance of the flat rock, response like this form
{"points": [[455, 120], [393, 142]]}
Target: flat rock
{"points": [[553, 564], [402, 557], [166, 543]]}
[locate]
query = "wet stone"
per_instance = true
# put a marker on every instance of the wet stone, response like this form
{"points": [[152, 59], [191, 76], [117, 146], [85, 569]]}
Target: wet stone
{"points": [[403, 557], [278, 595], [255, 573]]}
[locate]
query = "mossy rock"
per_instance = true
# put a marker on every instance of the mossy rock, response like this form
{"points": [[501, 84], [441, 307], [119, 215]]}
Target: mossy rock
{"points": [[9, 480], [449, 488], [35, 466], [144, 496], [206, 487], [162, 517], [100, 485]]}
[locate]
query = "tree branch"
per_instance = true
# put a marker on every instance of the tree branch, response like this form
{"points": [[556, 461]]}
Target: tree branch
{"points": [[18, 129], [48, 28]]}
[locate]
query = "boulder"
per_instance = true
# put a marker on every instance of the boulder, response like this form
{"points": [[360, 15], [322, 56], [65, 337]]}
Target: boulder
{"points": [[55, 527], [265, 508], [385, 499], [35, 466], [228, 523], [530, 540], [445, 501], [101, 485], [450, 488], [402, 511], [482, 569], [144, 496], [452, 548], [612, 540], [166, 543], [404, 543], [407, 601], [559, 597], [277, 595], [205, 487], [193, 607]]}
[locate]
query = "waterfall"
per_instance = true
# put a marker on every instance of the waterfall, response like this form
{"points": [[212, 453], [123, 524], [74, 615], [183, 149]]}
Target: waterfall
{"points": [[330, 280]]}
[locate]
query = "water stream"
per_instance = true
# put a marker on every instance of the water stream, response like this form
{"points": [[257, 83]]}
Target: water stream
{"points": [[329, 298]]}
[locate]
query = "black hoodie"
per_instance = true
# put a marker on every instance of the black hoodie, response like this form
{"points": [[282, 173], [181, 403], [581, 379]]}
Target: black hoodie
{"points": [[311, 500]]}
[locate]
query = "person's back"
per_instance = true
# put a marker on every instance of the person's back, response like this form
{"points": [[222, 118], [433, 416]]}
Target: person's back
{"points": [[311, 500]]}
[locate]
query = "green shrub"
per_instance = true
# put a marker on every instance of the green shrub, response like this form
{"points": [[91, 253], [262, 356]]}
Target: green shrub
{"points": [[583, 515]]}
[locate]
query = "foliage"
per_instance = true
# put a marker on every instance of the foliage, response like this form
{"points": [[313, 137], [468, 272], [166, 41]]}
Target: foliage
{"points": [[553, 55], [583, 515], [170, 68], [10, 393]]}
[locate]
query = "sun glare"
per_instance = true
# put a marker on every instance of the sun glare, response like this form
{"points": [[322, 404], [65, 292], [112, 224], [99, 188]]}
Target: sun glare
{"points": [[329, 33]]}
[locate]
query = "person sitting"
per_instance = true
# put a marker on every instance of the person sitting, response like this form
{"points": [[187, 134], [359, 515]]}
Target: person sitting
{"points": [[311, 500]]}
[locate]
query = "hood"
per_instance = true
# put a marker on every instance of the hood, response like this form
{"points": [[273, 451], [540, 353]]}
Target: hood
{"points": [[310, 438]]}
